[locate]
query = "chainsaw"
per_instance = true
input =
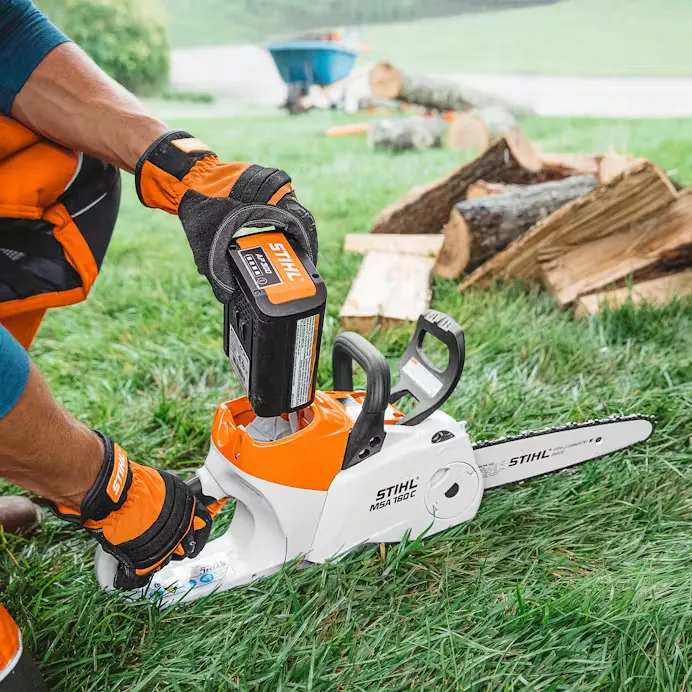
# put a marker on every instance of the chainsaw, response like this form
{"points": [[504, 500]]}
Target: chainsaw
{"points": [[315, 474]]}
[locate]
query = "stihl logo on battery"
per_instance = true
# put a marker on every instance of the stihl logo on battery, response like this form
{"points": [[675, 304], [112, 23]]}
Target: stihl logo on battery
{"points": [[395, 493], [526, 458], [286, 261]]}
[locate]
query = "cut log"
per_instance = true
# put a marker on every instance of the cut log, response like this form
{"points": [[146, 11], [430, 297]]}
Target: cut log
{"points": [[563, 165], [389, 288], [476, 130], [387, 82], [406, 133], [478, 229], [428, 245], [426, 209], [646, 248], [612, 164], [634, 195], [654, 292], [482, 188]]}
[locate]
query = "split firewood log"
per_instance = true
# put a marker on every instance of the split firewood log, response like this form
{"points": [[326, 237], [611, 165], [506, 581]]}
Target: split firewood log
{"points": [[632, 196], [655, 292], [425, 209], [648, 247]]}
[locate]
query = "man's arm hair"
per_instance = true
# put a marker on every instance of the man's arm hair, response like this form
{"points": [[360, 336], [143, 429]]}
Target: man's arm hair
{"points": [[68, 99]]}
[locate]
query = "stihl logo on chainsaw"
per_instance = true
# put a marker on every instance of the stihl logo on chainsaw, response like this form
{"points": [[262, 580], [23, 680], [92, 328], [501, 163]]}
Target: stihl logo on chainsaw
{"points": [[395, 493], [119, 475], [287, 263], [526, 458]]}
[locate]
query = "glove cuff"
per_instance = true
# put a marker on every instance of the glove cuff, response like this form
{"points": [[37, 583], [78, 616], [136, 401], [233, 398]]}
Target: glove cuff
{"points": [[109, 491], [161, 168]]}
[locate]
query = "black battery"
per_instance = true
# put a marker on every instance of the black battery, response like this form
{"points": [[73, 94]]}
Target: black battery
{"points": [[273, 330]]}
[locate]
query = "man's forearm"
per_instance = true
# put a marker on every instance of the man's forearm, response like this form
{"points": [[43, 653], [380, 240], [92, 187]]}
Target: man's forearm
{"points": [[70, 100], [45, 450]]}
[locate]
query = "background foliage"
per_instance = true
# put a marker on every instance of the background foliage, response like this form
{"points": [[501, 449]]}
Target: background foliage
{"points": [[127, 38]]}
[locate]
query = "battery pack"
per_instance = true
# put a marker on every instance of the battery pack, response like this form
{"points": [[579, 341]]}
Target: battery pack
{"points": [[272, 332]]}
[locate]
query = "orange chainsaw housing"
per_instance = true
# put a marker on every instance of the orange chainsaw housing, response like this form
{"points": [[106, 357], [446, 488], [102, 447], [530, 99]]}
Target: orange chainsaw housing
{"points": [[308, 459]]}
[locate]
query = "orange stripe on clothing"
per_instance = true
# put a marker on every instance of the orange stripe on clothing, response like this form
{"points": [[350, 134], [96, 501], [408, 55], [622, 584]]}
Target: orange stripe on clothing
{"points": [[10, 643]]}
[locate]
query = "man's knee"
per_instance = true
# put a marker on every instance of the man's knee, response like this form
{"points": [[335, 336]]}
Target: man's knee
{"points": [[57, 214]]}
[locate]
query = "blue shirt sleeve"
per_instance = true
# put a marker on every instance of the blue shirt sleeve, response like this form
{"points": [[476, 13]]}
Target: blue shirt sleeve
{"points": [[26, 37], [14, 371]]}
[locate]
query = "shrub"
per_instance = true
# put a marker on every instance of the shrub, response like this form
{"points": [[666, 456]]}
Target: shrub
{"points": [[127, 38]]}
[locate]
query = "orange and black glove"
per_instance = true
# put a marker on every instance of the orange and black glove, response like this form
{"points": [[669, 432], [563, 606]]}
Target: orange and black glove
{"points": [[141, 516], [181, 175]]}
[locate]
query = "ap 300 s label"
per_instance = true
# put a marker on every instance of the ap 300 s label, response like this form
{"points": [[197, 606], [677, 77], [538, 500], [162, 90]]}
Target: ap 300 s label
{"points": [[395, 493]]}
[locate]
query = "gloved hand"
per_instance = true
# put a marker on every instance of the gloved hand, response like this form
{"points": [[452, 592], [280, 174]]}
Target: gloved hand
{"points": [[141, 516], [181, 175]]}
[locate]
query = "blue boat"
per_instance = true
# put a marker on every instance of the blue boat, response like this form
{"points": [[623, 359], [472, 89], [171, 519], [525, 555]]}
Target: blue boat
{"points": [[306, 63]]}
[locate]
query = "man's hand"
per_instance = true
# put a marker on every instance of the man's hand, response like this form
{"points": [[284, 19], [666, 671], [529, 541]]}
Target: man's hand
{"points": [[180, 174], [141, 516]]}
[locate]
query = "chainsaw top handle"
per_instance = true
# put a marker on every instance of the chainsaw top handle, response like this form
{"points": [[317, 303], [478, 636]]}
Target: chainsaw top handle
{"points": [[367, 434], [429, 385]]}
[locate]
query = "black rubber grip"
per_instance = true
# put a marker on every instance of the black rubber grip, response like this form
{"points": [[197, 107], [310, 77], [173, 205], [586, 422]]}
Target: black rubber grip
{"points": [[349, 347]]}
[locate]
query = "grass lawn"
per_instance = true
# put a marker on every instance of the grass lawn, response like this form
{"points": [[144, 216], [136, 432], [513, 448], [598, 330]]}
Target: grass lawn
{"points": [[593, 37], [577, 581]]}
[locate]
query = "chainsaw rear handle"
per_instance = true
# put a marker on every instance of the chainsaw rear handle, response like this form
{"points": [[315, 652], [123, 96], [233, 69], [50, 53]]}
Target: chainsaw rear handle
{"points": [[431, 386], [367, 434]]}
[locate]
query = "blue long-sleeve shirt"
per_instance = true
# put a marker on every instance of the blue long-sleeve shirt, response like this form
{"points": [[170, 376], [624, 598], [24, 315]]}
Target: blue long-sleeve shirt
{"points": [[26, 37]]}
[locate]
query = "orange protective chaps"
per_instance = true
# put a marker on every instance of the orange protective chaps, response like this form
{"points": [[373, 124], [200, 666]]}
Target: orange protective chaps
{"points": [[57, 213]]}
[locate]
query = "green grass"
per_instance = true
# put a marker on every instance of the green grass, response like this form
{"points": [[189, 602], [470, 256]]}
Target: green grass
{"points": [[617, 37], [579, 581]]}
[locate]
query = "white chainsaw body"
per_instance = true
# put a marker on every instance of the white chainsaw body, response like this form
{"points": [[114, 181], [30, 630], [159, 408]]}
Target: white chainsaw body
{"points": [[399, 491], [352, 469]]}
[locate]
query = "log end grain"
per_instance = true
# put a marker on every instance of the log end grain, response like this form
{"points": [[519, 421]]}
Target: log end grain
{"points": [[385, 81], [456, 250]]}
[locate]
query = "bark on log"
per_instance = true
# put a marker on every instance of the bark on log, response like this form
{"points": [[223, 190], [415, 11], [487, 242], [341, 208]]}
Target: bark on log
{"points": [[426, 209], [387, 82], [406, 133], [646, 248], [478, 229], [477, 129], [634, 195], [654, 292]]}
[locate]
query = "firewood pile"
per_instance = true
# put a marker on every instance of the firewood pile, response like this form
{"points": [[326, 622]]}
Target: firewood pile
{"points": [[592, 229]]}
